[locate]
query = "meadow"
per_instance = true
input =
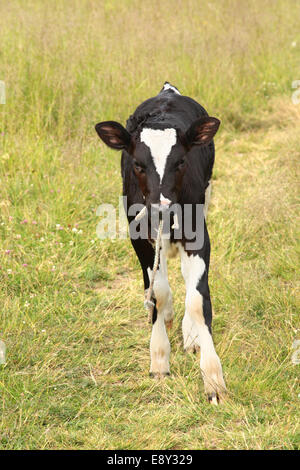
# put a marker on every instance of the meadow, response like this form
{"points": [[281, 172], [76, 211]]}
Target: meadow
{"points": [[72, 315]]}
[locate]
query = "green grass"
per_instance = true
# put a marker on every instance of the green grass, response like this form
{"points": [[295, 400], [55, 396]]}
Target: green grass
{"points": [[73, 319]]}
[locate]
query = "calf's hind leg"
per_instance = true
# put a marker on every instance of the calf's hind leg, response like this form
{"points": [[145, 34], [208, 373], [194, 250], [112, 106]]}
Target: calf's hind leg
{"points": [[196, 325]]}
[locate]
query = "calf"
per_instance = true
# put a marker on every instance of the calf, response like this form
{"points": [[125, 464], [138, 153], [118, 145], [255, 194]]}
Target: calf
{"points": [[167, 159]]}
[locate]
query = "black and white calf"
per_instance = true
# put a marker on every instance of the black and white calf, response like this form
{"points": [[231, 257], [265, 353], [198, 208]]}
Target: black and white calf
{"points": [[167, 158]]}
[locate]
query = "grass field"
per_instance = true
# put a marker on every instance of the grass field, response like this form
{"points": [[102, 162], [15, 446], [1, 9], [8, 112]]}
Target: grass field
{"points": [[72, 313]]}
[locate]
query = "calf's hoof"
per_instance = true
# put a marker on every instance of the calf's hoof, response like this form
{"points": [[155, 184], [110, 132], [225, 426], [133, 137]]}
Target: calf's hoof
{"points": [[214, 398], [216, 394], [193, 348], [159, 375], [212, 374]]}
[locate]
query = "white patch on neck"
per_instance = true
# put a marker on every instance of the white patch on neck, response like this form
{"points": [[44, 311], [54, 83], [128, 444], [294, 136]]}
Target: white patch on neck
{"points": [[160, 143], [168, 86]]}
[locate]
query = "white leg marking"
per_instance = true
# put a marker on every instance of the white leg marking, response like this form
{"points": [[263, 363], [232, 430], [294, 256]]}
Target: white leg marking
{"points": [[162, 291], [195, 331], [190, 334], [159, 343], [159, 348]]}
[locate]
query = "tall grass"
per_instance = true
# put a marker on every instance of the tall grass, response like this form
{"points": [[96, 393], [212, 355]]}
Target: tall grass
{"points": [[71, 306], [66, 63]]}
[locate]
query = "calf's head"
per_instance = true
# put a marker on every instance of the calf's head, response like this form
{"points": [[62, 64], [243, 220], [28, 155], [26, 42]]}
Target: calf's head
{"points": [[159, 156]]}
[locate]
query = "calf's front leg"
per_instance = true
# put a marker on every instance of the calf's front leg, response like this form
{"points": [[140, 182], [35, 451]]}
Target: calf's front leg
{"points": [[163, 309], [159, 343]]}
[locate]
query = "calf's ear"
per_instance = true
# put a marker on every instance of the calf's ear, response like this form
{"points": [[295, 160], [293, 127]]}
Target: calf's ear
{"points": [[113, 134], [202, 131]]}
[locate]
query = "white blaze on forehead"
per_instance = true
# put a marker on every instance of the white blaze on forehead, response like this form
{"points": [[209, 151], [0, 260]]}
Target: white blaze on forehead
{"points": [[160, 143]]}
